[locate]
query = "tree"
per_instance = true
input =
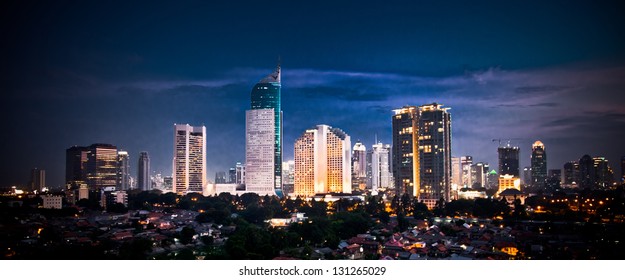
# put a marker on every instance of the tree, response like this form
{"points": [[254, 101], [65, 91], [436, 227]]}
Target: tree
{"points": [[186, 235]]}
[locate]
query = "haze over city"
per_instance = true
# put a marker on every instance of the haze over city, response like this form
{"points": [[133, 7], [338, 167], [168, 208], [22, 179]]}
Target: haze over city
{"points": [[77, 73]]}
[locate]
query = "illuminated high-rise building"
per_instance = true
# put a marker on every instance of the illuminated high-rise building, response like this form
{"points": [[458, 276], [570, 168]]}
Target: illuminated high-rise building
{"points": [[144, 182], [75, 166], [101, 167], [465, 165], [123, 171], [240, 173], [220, 177], [381, 176], [405, 150], [456, 172], [539, 165], [322, 162], [604, 174], [422, 152], [263, 146], [478, 175], [189, 164], [359, 166]]}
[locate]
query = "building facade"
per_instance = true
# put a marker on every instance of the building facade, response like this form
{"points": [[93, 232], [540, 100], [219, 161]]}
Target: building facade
{"points": [[265, 99], [260, 152], [381, 176], [539, 165], [359, 166], [189, 164], [143, 172], [37, 179], [101, 167], [508, 160], [422, 152], [123, 171], [322, 162]]}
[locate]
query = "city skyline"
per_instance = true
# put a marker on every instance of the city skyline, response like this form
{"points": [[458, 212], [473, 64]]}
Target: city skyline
{"points": [[553, 79]]}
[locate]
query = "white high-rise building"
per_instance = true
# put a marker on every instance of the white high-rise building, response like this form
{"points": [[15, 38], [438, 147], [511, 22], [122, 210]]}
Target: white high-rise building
{"points": [[260, 151], [123, 171], [323, 162], [381, 176], [189, 166]]}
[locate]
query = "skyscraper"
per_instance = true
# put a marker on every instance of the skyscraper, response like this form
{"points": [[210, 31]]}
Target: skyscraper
{"points": [[539, 165], [189, 164], [123, 171], [75, 166], [359, 166], [456, 172], [37, 179], [587, 174], [571, 173], [405, 150], [465, 163], [508, 160], [220, 177], [381, 176], [603, 171], [143, 172], [434, 153], [101, 167], [422, 152], [322, 162], [264, 137]]}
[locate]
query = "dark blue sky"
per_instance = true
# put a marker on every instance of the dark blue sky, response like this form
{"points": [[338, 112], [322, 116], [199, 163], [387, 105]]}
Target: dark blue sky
{"points": [[83, 72]]}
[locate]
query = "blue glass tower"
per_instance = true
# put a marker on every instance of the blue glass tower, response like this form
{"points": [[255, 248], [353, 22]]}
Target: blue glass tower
{"points": [[266, 95]]}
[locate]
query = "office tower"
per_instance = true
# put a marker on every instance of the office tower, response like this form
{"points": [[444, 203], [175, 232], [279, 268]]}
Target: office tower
{"points": [[405, 150], [75, 166], [359, 166], [554, 179], [143, 172], [527, 176], [240, 169], [539, 165], [37, 179], [322, 162], [571, 172], [157, 181], [604, 175], [493, 179], [220, 177], [168, 182], [434, 152], [263, 146], [465, 165], [288, 172], [508, 160], [123, 171], [456, 172], [232, 175], [380, 169], [189, 163], [101, 167], [478, 175], [422, 152], [587, 176], [260, 152]]}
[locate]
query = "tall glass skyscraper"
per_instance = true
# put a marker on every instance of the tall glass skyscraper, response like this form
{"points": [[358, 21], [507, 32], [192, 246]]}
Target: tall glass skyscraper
{"points": [[539, 165], [265, 99], [143, 175]]}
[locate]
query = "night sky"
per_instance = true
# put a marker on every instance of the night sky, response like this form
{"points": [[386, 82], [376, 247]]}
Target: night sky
{"points": [[84, 72]]}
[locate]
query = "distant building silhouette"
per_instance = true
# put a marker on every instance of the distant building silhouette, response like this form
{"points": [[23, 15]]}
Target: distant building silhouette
{"points": [[143, 172]]}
